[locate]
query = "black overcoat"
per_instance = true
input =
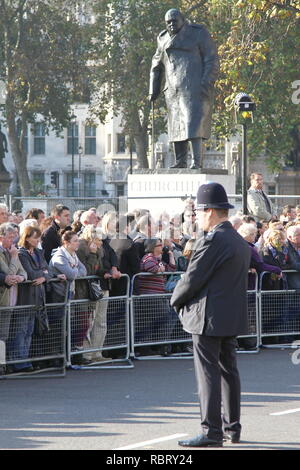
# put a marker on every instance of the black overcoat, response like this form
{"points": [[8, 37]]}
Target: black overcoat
{"points": [[189, 64], [128, 261], [27, 293], [211, 296]]}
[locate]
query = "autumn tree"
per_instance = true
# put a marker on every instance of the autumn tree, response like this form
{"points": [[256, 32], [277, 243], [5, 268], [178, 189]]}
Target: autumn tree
{"points": [[42, 62], [259, 43]]}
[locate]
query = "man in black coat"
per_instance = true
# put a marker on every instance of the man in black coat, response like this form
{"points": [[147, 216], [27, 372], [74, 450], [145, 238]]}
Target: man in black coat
{"points": [[51, 238], [211, 299], [127, 254]]}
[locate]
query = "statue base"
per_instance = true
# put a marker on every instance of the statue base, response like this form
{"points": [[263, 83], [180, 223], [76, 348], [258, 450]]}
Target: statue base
{"points": [[5, 181], [167, 189]]}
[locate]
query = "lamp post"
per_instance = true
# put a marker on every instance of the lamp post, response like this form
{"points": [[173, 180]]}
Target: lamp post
{"points": [[130, 153], [244, 106], [73, 122], [80, 153]]}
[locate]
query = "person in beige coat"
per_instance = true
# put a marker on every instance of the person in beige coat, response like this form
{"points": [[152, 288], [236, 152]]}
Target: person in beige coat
{"points": [[11, 266], [259, 205]]}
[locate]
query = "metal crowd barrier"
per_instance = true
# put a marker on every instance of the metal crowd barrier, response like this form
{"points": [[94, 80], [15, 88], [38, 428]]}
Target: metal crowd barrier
{"points": [[126, 327], [24, 346], [250, 343], [155, 325], [99, 326], [279, 311]]}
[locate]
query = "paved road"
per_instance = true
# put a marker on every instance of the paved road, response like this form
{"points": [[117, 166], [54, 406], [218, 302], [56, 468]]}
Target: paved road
{"points": [[147, 407]]}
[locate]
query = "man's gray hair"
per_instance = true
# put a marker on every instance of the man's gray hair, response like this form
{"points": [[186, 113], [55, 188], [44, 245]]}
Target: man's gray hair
{"points": [[150, 244], [247, 229], [290, 231], [5, 228]]}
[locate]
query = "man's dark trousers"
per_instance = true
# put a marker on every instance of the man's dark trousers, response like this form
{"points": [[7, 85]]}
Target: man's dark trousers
{"points": [[218, 382]]}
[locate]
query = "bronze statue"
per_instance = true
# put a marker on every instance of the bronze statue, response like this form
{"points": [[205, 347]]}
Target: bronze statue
{"points": [[187, 58], [3, 150], [295, 152]]}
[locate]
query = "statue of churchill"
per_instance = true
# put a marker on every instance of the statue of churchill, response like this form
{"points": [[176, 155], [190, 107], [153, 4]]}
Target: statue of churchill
{"points": [[186, 61]]}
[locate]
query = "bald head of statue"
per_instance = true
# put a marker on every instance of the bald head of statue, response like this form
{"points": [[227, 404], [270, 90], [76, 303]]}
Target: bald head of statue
{"points": [[174, 21]]}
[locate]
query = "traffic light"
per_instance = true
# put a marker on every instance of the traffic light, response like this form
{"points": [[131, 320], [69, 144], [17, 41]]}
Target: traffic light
{"points": [[54, 178]]}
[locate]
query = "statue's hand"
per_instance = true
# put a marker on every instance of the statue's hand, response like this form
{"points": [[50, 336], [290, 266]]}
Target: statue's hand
{"points": [[153, 97]]}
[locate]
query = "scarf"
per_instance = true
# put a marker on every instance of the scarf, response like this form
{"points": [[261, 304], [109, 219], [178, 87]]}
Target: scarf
{"points": [[73, 262]]}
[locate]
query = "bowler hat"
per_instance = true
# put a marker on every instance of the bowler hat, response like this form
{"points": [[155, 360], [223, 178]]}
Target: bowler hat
{"points": [[212, 196]]}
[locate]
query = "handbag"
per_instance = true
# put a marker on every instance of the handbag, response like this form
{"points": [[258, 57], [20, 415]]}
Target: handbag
{"points": [[94, 290], [41, 322], [171, 282]]}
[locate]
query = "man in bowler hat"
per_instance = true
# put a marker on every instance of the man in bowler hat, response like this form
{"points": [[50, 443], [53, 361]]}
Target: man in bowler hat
{"points": [[211, 299]]}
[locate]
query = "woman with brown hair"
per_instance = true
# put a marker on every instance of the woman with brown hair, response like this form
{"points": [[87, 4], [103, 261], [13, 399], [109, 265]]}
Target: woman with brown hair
{"points": [[35, 265], [66, 265]]}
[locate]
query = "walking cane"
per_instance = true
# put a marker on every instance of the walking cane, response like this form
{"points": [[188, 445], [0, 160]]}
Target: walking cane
{"points": [[152, 137]]}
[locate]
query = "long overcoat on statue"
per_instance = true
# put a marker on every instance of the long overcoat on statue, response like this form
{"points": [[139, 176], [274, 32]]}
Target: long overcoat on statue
{"points": [[188, 63]]}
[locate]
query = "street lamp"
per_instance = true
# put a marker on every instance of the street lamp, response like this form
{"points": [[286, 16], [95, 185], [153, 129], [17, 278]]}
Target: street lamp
{"points": [[80, 153], [244, 106], [73, 118]]}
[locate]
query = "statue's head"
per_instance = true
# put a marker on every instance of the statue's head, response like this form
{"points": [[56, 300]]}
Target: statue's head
{"points": [[174, 21]]}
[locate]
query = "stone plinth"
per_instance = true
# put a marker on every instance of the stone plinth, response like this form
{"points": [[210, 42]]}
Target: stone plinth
{"points": [[166, 189], [29, 203]]}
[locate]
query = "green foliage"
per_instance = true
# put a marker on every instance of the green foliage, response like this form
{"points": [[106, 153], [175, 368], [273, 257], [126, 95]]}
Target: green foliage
{"points": [[43, 65], [259, 45], [43, 45]]}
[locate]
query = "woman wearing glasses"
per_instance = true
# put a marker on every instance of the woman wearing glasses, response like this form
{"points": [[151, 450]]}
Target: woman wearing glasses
{"points": [[153, 320]]}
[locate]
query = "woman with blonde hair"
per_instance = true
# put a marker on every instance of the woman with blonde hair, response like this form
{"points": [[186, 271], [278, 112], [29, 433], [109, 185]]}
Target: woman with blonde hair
{"points": [[99, 259], [184, 259], [276, 253], [90, 254], [108, 224]]}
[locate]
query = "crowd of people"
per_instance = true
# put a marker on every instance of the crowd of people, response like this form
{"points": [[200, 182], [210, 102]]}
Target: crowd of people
{"points": [[38, 248]]}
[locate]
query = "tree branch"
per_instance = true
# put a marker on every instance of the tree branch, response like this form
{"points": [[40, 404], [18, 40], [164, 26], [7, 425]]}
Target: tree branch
{"points": [[282, 6], [194, 7]]}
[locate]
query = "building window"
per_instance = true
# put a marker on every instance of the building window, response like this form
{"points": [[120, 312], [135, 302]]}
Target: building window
{"points": [[120, 190], [39, 132], [90, 140], [108, 143], [271, 189], [121, 143], [72, 139], [70, 186], [89, 184]]}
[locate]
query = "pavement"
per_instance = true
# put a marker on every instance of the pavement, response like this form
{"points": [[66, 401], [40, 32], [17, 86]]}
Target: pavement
{"points": [[148, 407]]}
